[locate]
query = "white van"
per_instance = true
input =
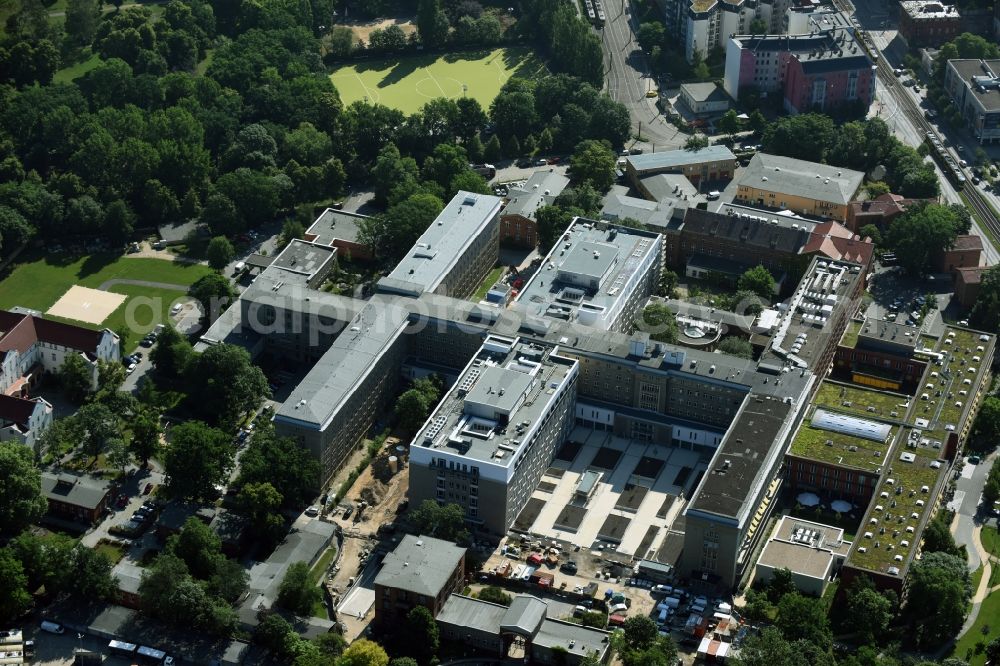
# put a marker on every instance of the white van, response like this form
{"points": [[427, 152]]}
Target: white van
{"points": [[618, 608], [51, 627]]}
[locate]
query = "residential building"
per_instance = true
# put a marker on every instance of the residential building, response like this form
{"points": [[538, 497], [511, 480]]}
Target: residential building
{"points": [[173, 516], [517, 221], [421, 571], [493, 629], [455, 253], [596, 274], [964, 253], [880, 211], [928, 23], [809, 188], [342, 230], [706, 24], [967, 281], [495, 432], [24, 419], [704, 99], [813, 553], [815, 71], [76, 497], [975, 89], [714, 163], [727, 512], [31, 346]]}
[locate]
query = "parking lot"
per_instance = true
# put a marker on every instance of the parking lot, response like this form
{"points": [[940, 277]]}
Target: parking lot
{"points": [[902, 299]]}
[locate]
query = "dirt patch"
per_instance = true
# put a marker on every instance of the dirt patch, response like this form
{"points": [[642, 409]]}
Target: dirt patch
{"points": [[380, 489], [363, 29]]}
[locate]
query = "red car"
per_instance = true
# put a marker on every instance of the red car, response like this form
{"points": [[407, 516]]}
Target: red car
{"points": [[148, 489], [122, 501]]}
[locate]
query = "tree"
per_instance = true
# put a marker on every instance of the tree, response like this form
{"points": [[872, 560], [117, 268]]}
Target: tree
{"points": [[172, 353], [225, 384], [82, 17], [659, 321], [214, 292], [221, 216], [757, 607], [868, 611], [757, 122], [758, 27], [198, 459], [110, 376], [594, 163], [261, 503], [145, 436], [282, 463], [21, 501], [364, 653], [446, 162], [781, 584], [551, 221], [805, 136], [76, 377], [759, 281], [298, 592], [876, 188], [640, 632], [919, 233], [805, 618], [404, 661], [432, 23], [736, 346], [937, 535], [766, 648], [696, 142], [420, 634], [494, 595], [16, 599], [291, 230], [492, 151], [987, 424], [98, 426], [668, 284], [729, 123], [873, 232], [219, 252], [939, 588], [985, 313], [441, 521], [993, 651], [414, 405]]}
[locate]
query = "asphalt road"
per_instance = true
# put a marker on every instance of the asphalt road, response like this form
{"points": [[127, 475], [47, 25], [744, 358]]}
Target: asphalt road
{"points": [[966, 504], [627, 78]]}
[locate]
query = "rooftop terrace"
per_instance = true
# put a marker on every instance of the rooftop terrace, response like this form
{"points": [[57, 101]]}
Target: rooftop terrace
{"points": [[818, 443]]}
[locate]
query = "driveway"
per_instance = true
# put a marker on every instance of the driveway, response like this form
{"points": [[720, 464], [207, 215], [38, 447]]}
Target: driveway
{"points": [[134, 381], [133, 489], [968, 514]]}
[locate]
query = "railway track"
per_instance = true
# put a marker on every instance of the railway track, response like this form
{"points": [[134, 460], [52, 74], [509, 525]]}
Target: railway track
{"points": [[884, 71]]}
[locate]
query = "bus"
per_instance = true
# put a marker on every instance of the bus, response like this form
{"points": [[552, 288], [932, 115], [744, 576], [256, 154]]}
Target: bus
{"points": [[154, 656], [122, 648]]}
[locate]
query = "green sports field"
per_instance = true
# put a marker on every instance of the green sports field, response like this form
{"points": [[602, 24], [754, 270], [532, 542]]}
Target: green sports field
{"points": [[409, 83]]}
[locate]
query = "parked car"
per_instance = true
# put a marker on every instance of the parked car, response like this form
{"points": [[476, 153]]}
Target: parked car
{"points": [[568, 567], [312, 511]]}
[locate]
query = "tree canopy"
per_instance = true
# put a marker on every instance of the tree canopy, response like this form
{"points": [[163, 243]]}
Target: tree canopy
{"points": [[21, 501], [921, 232], [197, 460]]}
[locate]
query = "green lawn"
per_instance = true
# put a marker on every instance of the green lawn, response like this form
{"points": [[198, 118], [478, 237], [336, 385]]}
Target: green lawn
{"points": [[988, 614], [317, 573], [113, 553], [488, 281], [77, 70], [834, 395], [991, 540], [851, 334], [39, 283], [409, 83]]}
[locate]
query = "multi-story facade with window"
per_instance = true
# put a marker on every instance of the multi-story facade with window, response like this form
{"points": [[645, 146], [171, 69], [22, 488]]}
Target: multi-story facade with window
{"points": [[816, 71], [974, 85], [493, 435]]}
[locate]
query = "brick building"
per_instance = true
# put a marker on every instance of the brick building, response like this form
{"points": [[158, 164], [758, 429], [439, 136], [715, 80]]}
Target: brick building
{"points": [[967, 281], [880, 354], [880, 211], [422, 571], [965, 253], [341, 230], [517, 220], [75, 497], [714, 163], [928, 22]]}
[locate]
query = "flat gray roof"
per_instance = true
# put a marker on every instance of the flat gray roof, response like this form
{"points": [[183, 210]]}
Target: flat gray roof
{"points": [[303, 544], [674, 187], [810, 180], [525, 615], [540, 190], [469, 613], [742, 461], [670, 159], [509, 379], [655, 214], [438, 249], [353, 354], [303, 257], [76, 489], [879, 330], [989, 99], [929, 9], [589, 271], [422, 565], [704, 92], [336, 224]]}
